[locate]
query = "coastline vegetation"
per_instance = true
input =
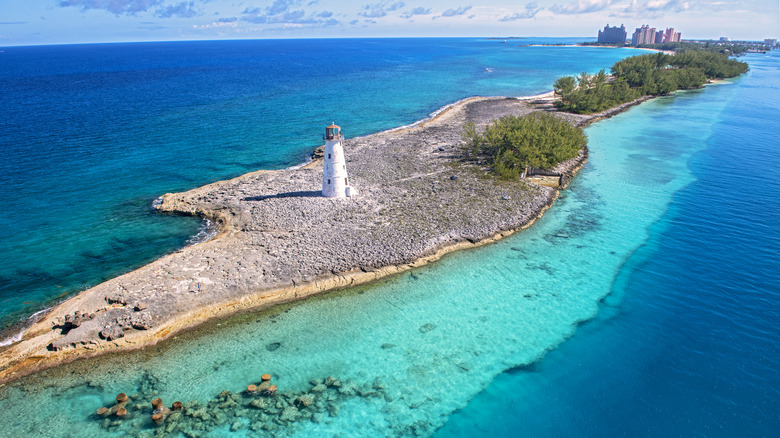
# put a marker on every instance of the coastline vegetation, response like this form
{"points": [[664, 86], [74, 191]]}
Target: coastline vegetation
{"points": [[511, 144], [726, 48], [644, 75]]}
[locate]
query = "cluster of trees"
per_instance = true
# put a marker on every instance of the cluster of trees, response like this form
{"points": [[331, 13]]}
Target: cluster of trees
{"points": [[587, 94], [636, 76], [510, 144], [735, 49]]}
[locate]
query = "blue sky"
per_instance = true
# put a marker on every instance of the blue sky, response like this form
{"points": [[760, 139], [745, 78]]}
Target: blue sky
{"points": [[24, 22]]}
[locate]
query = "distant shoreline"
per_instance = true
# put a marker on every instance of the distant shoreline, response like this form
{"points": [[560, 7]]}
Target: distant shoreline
{"points": [[202, 282], [668, 52]]}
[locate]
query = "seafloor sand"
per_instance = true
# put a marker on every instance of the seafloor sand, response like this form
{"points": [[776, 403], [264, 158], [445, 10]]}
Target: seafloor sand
{"points": [[280, 240]]}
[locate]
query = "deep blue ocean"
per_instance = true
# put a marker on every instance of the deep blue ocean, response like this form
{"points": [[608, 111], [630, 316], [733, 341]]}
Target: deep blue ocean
{"points": [[644, 303]]}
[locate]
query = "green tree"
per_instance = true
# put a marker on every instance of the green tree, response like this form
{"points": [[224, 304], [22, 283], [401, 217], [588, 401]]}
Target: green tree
{"points": [[650, 74], [510, 144]]}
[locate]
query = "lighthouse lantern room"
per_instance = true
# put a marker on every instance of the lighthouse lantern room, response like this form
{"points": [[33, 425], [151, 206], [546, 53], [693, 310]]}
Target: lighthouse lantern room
{"points": [[335, 183]]}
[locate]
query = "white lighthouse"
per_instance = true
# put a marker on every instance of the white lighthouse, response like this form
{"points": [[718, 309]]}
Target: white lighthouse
{"points": [[335, 183]]}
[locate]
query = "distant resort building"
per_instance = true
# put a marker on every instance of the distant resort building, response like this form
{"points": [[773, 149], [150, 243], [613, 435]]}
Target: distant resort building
{"points": [[648, 35], [670, 36], [613, 35], [643, 35]]}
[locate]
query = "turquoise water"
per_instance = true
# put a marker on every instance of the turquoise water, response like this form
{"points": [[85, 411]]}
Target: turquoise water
{"points": [[92, 134], [616, 313], [686, 344]]}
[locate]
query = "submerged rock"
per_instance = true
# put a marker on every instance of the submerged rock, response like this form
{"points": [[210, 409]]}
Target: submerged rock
{"points": [[279, 415], [305, 400], [349, 389], [259, 403], [427, 327], [332, 381], [379, 383], [289, 413]]}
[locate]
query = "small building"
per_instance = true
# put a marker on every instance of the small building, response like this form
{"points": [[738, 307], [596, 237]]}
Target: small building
{"points": [[335, 183]]}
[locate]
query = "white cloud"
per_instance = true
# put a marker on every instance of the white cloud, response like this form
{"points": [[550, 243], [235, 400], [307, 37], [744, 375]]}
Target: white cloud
{"points": [[530, 11], [286, 12], [183, 10], [379, 10], [219, 24], [658, 6], [417, 11], [454, 12], [117, 7], [581, 7]]}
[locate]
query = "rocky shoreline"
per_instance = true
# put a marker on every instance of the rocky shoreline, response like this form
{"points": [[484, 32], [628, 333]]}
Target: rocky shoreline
{"points": [[280, 241]]}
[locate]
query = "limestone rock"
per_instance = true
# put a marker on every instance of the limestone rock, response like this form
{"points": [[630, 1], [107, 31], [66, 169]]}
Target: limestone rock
{"points": [[111, 332], [138, 321], [141, 321], [116, 299], [75, 320]]}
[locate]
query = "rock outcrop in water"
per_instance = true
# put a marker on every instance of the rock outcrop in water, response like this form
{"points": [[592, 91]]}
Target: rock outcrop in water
{"points": [[280, 240], [270, 414]]}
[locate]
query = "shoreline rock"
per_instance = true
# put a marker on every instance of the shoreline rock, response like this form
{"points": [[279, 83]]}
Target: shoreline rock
{"points": [[280, 241]]}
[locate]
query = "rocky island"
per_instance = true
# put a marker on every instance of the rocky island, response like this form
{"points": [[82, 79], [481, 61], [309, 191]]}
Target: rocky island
{"points": [[280, 240]]}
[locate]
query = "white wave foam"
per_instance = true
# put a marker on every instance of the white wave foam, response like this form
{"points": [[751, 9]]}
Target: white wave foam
{"points": [[11, 339], [206, 232], [32, 319], [298, 166], [157, 203]]}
